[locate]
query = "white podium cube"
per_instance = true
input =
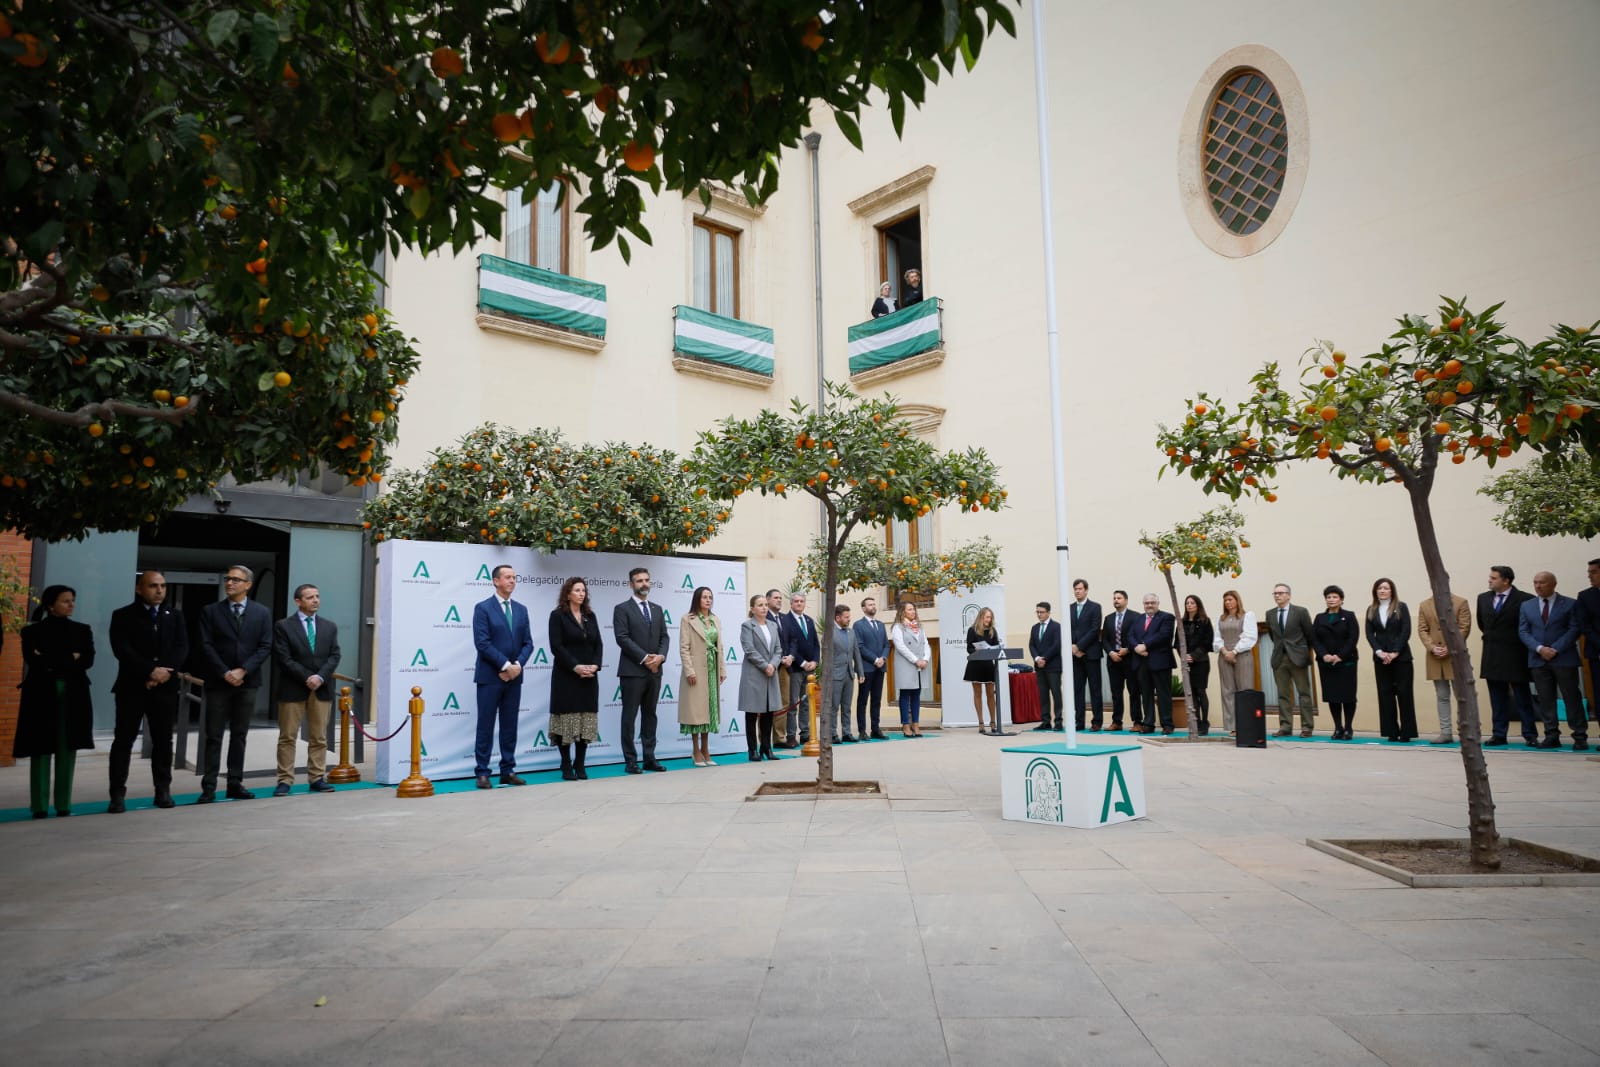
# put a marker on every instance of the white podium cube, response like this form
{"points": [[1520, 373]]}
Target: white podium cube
{"points": [[1088, 786]]}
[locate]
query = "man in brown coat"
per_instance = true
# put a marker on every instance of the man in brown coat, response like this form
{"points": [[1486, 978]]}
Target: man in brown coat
{"points": [[1437, 657]]}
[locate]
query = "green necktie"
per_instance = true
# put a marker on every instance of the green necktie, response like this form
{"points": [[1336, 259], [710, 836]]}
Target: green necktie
{"points": [[507, 605], [311, 631]]}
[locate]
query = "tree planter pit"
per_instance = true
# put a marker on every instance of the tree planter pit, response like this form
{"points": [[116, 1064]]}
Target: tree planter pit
{"points": [[1445, 863]]}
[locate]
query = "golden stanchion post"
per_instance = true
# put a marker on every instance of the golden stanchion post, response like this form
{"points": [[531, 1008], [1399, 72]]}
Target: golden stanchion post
{"points": [[415, 785], [813, 747], [346, 771]]}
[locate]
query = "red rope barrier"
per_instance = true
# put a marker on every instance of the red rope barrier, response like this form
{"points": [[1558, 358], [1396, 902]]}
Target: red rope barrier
{"points": [[368, 736]]}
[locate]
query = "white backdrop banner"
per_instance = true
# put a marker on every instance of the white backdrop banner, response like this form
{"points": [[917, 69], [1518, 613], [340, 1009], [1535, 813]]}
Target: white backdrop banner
{"points": [[957, 611], [426, 593]]}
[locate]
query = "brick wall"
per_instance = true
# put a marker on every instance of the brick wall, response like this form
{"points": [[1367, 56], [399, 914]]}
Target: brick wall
{"points": [[17, 551]]}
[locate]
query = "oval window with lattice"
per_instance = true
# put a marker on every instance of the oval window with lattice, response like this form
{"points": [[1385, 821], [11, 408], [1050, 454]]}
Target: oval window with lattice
{"points": [[1246, 151]]}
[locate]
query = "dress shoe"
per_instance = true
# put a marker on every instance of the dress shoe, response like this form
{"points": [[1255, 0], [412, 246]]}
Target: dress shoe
{"points": [[1094, 729], [1116, 728], [653, 765], [60, 814], [512, 779], [1580, 745], [322, 785], [633, 768], [41, 815], [1550, 742], [484, 783], [766, 753], [282, 790], [877, 735], [568, 774], [1398, 740], [1493, 741], [239, 792], [755, 757], [1167, 731], [164, 799], [1285, 732], [581, 771], [1447, 739], [116, 807], [207, 796], [847, 740], [1307, 732], [1041, 728]]}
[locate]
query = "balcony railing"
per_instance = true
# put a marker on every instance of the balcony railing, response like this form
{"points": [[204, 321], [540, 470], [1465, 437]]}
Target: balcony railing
{"points": [[542, 296], [717, 339], [896, 336]]}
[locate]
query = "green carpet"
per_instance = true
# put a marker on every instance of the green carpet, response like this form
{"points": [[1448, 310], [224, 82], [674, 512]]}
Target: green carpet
{"points": [[454, 785], [1422, 743]]}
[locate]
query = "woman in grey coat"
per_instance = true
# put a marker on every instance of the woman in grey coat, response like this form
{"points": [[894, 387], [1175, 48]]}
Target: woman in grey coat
{"points": [[758, 678]]}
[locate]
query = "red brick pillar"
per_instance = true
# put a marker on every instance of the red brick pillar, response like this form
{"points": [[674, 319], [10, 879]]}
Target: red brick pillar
{"points": [[16, 552]]}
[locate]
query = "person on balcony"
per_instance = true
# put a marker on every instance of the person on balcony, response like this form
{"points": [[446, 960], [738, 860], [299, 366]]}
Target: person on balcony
{"points": [[885, 304], [911, 292]]}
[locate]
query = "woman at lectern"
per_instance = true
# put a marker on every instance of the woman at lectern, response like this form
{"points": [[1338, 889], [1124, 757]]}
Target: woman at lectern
{"points": [[578, 651], [758, 678], [981, 672]]}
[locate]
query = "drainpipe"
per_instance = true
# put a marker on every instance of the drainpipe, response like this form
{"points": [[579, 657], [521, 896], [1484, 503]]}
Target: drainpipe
{"points": [[813, 141]]}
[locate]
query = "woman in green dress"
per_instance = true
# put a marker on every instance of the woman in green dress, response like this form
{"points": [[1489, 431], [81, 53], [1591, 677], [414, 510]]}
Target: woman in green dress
{"points": [[54, 715], [699, 684]]}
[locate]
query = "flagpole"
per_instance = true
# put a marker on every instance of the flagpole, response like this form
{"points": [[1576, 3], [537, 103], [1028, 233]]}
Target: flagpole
{"points": [[1052, 348]]}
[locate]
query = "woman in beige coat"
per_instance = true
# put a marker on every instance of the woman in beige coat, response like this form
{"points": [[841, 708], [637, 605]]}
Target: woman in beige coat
{"points": [[699, 697], [1437, 658]]}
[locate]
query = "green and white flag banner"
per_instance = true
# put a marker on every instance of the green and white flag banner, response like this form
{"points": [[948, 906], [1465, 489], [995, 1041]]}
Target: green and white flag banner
{"points": [[895, 336], [723, 340], [541, 295]]}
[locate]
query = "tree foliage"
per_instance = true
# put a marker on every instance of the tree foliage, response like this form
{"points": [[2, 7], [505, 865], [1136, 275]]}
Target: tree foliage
{"points": [[870, 564], [859, 460], [1558, 499], [240, 160], [505, 487], [1209, 545], [1457, 386], [14, 599]]}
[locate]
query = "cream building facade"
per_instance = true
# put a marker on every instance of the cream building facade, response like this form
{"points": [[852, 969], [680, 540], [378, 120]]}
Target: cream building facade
{"points": [[1436, 147]]}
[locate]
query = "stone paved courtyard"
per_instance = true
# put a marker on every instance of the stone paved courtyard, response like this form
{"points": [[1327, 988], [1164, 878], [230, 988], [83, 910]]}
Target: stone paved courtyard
{"points": [[662, 919]]}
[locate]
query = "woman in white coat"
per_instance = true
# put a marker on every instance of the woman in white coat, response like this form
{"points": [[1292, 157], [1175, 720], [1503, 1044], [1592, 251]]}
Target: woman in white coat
{"points": [[911, 658]]}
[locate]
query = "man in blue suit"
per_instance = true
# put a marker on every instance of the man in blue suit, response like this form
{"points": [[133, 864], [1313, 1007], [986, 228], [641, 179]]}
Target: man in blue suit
{"points": [[1153, 663], [873, 641], [1549, 627], [1589, 623], [504, 642], [802, 649], [1044, 646]]}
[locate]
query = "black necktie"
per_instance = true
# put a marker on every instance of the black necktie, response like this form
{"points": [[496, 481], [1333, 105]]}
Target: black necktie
{"points": [[155, 615], [238, 616]]}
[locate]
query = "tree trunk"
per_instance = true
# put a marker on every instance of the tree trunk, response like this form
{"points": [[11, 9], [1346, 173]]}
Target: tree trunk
{"points": [[830, 595], [1480, 801], [1183, 655]]}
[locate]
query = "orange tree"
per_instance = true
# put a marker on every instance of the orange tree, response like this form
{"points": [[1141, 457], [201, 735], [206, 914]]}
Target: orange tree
{"points": [[859, 460], [1438, 391], [1209, 545], [505, 487], [123, 404], [870, 564], [1555, 499], [220, 154]]}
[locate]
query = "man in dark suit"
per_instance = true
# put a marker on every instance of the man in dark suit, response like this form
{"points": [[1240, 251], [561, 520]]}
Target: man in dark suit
{"points": [[1289, 626], [1153, 663], [872, 640], [1548, 625], [504, 643], [1504, 664], [235, 640], [306, 648], [1086, 654], [150, 643], [1118, 648], [641, 632], [1589, 621], [801, 651], [1044, 648]]}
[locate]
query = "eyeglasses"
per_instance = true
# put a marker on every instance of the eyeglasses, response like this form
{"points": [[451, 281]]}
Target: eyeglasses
{"points": [[233, 578]]}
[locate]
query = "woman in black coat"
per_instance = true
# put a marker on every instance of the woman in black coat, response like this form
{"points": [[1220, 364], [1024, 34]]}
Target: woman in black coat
{"points": [[55, 716], [1389, 634], [1336, 641], [576, 646], [1197, 637]]}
